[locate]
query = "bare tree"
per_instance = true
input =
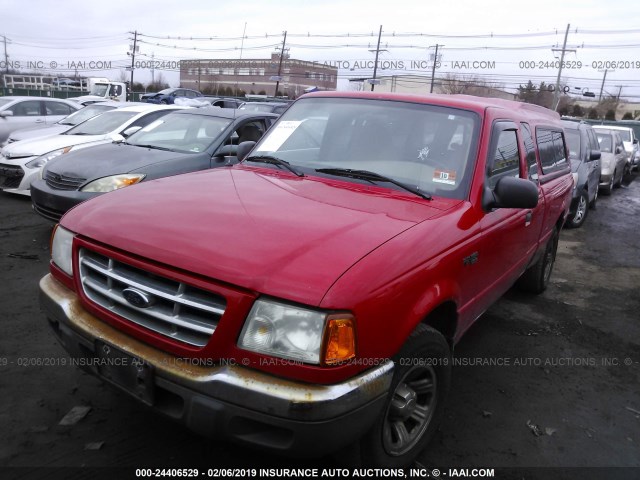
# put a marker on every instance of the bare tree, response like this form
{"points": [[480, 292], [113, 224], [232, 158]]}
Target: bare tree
{"points": [[473, 85]]}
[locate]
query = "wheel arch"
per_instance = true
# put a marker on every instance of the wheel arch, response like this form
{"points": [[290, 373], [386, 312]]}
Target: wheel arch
{"points": [[444, 319]]}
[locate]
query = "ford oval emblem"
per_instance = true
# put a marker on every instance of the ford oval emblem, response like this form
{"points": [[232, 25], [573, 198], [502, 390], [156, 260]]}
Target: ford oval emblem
{"points": [[137, 298]]}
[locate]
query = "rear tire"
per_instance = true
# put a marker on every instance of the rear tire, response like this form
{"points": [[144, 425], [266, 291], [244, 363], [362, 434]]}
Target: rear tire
{"points": [[415, 403], [536, 278]]}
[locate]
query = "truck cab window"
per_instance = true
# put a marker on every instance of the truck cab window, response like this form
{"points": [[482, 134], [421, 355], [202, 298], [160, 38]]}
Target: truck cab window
{"points": [[505, 160]]}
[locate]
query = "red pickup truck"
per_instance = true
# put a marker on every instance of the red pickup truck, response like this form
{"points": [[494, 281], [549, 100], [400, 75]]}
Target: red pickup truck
{"points": [[309, 298]]}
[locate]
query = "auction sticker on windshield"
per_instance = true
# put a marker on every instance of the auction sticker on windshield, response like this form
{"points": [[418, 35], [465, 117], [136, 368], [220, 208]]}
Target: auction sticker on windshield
{"points": [[444, 176], [279, 135]]}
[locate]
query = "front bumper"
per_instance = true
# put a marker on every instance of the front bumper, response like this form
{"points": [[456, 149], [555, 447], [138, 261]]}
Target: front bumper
{"points": [[53, 204], [17, 178], [226, 401]]}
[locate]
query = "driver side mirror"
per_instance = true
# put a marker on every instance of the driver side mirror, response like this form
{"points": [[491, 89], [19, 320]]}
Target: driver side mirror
{"points": [[243, 150], [226, 151], [511, 192], [6, 113], [595, 155]]}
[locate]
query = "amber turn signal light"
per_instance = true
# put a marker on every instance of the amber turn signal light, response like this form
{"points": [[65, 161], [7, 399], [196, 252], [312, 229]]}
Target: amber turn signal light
{"points": [[340, 340]]}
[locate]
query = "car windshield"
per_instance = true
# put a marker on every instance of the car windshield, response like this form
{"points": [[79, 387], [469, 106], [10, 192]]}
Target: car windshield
{"points": [[256, 107], [4, 101], [573, 140], [604, 139], [625, 135], [422, 146], [85, 113], [181, 133], [102, 124]]}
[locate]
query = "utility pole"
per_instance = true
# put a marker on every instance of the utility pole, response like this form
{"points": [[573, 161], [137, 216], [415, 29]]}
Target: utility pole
{"points": [[284, 41], [241, 49], [133, 59], [153, 69], [6, 56], [375, 65], [602, 86], [433, 69], [618, 98], [556, 92]]}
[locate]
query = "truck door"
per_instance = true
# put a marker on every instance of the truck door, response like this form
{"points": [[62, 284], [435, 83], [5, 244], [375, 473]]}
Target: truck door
{"points": [[509, 235]]}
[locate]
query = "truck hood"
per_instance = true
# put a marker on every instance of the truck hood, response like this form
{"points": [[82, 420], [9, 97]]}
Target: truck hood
{"points": [[110, 159], [259, 229], [42, 145]]}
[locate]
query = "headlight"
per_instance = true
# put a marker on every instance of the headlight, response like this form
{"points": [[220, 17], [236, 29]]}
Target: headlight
{"points": [[61, 249], [43, 159], [108, 184], [297, 333]]}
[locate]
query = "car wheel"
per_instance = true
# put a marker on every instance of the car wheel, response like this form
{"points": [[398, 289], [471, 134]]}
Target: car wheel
{"points": [[164, 102], [536, 278], [607, 190], [415, 403], [593, 202], [619, 182], [582, 208]]}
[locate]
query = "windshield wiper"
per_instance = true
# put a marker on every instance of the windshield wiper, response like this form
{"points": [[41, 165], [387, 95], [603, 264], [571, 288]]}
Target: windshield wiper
{"points": [[155, 147], [372, 177], [274, 161]]}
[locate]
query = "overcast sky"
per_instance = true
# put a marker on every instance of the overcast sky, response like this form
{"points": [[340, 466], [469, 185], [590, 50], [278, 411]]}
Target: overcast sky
{"points": [[75, 33]]}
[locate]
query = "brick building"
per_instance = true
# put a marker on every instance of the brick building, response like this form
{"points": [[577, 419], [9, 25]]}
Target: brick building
{"points": [[257, 76]]}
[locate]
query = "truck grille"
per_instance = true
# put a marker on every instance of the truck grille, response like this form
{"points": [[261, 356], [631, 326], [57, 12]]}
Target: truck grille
{"points": [[62, 182], [169, 307], [10, 176]]}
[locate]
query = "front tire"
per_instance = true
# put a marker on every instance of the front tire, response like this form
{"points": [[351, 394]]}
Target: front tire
{"points": [[536, 278], [607, 190], [582, 208], [415, 403]]}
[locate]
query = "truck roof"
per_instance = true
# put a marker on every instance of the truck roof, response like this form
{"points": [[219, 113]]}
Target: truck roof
{"points": [[468, 102]]}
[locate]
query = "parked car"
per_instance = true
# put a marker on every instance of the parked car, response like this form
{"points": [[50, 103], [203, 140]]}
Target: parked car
{"points": [[21, 162], [180, 142], [168, 95], [629, 140], [271, 107], [66, 123], [23, 112], [223, 102], [614, 162], [635, 125], [309, 298], [584, 154]]}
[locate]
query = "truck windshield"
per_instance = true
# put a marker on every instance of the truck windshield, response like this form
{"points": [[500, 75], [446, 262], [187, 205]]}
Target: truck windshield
{"points": [[99, 89], [430, 148]]}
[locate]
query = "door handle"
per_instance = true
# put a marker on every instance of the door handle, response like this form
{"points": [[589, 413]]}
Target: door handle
{"points": [[527, 218], [39, 121]]}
